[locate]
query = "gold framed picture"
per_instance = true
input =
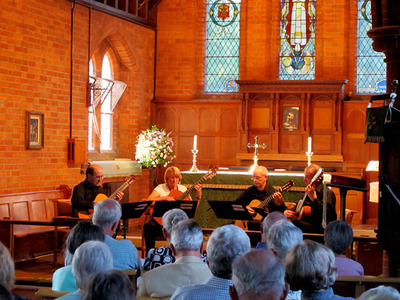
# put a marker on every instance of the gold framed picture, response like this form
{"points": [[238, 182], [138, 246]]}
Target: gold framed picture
{"points": [[34, 137], [290, 119]]}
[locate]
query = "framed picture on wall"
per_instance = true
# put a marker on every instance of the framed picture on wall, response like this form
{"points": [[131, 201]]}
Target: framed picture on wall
{"points": [[34, 137], [290, 117]]}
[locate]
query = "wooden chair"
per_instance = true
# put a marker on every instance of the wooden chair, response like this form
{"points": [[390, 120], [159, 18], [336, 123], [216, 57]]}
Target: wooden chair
{"points": [[133, 275]]}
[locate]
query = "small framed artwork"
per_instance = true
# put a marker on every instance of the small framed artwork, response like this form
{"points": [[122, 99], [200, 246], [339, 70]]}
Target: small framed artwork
{"points": [[290, 118], [34, 136]]}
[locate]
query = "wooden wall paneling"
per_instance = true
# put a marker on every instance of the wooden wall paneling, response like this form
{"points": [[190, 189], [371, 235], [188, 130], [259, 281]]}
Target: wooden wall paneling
{"points": [[290, 140]]}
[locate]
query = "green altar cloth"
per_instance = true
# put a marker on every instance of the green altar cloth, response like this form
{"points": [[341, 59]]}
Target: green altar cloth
{"points": [[227, 186]]}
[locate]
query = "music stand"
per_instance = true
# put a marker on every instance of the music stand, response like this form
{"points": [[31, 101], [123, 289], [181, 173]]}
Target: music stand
{"points": [[133, 210], [230, 210], [161, 207]]}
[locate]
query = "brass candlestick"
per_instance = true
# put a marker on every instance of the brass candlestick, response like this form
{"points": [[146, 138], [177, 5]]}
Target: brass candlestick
{"points": [[194, 168]]}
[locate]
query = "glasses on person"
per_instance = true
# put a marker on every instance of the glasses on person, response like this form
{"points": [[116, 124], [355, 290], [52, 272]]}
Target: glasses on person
{"points": [[99, 177], [256, 178]]}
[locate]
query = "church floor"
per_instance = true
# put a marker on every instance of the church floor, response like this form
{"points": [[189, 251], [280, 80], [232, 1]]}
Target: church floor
{"points": [[42, 269]]}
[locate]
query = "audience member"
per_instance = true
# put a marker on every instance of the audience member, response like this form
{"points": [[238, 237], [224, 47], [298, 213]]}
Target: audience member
{"points": [[110, 285], [270, 219], [187, 246], [160, 256], [7, 270], [63, 279], [380, 293], [338, 237], [282, 237], [226, 244], [5, 294], [310, 267], [258, 275], [89, 258], [107, 214]]}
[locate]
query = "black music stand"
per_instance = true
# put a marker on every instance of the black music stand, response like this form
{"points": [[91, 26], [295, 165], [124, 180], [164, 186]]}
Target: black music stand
{"points": [[230, 210], [133, 210], [161, 207]]}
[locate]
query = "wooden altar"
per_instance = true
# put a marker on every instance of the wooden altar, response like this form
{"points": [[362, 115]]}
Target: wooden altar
{"points": [[228, 185]]}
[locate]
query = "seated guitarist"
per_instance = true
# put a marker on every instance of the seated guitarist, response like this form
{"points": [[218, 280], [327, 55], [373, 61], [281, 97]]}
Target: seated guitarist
{"points": [[311, 222], [169, 190], [260, 191], [85, 193]]}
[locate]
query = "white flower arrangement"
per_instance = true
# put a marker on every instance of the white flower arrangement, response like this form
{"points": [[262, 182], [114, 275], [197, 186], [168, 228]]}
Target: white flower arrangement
{"points": [[154, 148]]}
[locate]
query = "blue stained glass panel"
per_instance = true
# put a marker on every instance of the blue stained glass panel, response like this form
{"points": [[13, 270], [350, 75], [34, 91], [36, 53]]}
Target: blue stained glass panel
{"points": [[371, 68], [222, 46]]}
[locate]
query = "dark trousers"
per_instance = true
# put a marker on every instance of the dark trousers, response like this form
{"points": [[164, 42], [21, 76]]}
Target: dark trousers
{"points": [[151, 230]]}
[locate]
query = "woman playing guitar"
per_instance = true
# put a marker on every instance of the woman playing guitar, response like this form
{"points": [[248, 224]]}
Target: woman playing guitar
{"points": [[310, 220], [169, 190]]}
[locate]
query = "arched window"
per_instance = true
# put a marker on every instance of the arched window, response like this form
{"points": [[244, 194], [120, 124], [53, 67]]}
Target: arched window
{"points": [[90, 121], [222, 46], [371, 68], [106, 112], [297, 40]]}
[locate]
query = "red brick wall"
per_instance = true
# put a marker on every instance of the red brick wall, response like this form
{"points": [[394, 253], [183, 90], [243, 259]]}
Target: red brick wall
{"points": [[35, 75]]}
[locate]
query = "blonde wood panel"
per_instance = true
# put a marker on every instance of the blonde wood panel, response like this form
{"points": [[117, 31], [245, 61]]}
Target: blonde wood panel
{"points": [[229, 121], [322, 118], [187, 120], [290, 143], [209, 120], [260, 118], [166, 119]]}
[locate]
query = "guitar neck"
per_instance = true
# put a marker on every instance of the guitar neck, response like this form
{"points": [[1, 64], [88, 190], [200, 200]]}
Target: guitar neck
{"points": [[189, 190], [268, 200], [120, 189]]}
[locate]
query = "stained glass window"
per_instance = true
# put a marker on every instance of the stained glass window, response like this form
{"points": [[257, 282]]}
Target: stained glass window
{"points": [[222, 46], [297, 40], [371, 69]]}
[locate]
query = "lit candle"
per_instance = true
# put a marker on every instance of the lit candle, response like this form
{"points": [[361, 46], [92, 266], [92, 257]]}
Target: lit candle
{"points": [[309, 144], [195, 142]]}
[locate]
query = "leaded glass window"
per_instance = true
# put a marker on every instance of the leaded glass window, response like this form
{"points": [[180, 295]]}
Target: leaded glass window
{"points": [[297, 40], [371, 68], [222, 46]]}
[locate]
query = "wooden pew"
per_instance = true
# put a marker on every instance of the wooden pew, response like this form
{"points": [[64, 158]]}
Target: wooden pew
{"points": [[30, 238]]}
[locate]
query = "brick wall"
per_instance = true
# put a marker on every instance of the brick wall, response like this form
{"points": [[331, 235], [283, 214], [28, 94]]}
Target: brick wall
{"points": [[35, 73]]}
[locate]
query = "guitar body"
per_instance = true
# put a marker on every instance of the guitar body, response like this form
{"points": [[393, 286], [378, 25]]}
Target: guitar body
{"points": [[305, 211], [257, 215], [178, 195], [86, 215], [174, 194], [100, 197]]}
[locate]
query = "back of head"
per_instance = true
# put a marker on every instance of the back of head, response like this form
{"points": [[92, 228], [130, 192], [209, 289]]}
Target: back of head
{"points": [[173, 217], [110, 285], [7, 268], [338, 236], [90, 257], [379, 293], [106, 212], [270, 219], [310, 266], [226, 244], [187, 235], [259, 273], [83, 231], [283, 236]]}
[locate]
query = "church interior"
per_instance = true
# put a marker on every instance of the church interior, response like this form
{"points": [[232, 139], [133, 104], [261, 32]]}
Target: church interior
{"points": [[162, 63]]}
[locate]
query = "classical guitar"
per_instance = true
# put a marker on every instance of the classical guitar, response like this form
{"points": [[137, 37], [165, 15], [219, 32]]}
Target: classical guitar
{"points": [[86, 215], [260, 206], [302, 210], [178, 195]]}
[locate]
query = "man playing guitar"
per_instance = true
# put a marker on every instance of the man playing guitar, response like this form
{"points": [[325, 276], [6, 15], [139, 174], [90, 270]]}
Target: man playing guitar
{"points": [[85, 193], [311, 222]]}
